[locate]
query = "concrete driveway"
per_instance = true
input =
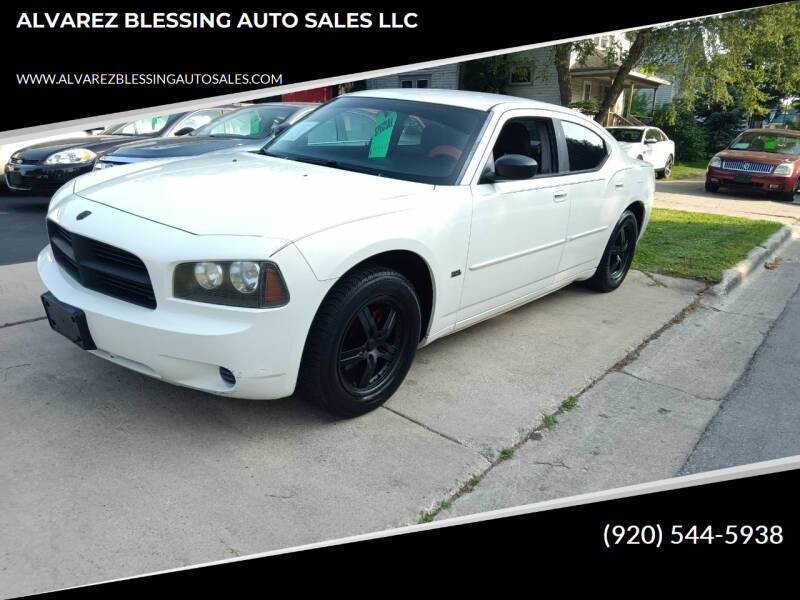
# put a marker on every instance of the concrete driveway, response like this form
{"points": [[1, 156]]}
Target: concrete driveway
{"points": [[107, 473], [690, 194]]}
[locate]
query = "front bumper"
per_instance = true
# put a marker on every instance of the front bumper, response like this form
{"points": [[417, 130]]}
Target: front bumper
{"points": [[768, 183], [184, 342], [39, 178]]}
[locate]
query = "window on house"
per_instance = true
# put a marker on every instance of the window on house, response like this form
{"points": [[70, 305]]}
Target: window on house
{"points": [[521, 74], [587, 90], [423, 81], [585, 149]]}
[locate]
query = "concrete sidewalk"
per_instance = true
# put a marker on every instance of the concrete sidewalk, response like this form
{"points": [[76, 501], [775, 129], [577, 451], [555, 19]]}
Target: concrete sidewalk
{"points": [[642, 421], [107, 473]]}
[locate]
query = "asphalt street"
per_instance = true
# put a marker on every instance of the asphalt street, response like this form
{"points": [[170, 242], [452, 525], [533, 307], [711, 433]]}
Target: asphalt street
{"points": [[22, 228], [760, 418]]}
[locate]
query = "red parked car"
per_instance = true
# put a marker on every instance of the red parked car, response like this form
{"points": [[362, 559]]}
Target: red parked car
{"points": [[766, 159]]}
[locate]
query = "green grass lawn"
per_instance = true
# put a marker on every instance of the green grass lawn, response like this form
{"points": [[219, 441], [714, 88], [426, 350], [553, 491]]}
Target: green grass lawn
{"points": [[683, 170], [697, 245]]}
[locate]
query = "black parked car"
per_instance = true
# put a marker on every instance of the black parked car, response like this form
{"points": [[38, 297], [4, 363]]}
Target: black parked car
{"points": [[245, 129], [43, 168]]}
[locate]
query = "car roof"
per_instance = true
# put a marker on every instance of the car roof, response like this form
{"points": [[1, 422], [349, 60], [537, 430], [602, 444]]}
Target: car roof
{"points": [[474, 100], [639, 127], [790, 132]]}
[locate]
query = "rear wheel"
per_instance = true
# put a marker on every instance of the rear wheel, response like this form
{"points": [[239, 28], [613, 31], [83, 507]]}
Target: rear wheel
{"points": [[362, 342], [618, 255]]}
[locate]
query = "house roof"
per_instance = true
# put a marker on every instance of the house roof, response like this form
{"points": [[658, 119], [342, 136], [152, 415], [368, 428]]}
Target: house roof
{"points": [[635, 77]]}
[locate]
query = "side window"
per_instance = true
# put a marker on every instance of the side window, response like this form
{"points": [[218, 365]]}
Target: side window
{"points": [[652, 134], [662, 136], [527, 136], [585, 149], [198, 119]]}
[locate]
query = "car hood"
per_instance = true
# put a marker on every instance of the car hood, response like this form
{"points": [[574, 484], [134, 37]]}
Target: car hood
{"points": [[245, 193], [182, 146], [772, 158], [95, 143]]}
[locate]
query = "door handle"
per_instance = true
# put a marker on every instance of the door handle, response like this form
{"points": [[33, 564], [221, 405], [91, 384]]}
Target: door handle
{"points": [[619, 186], [560, 196]]}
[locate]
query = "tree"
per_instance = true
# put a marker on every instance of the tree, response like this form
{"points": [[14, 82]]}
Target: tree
{"points": [[562, 58], [754, 51], [629, 60]]}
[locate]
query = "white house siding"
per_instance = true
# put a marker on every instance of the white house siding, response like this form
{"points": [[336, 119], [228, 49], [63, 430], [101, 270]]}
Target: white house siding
{"points": [[664, 96], [544, 86], [442, 77]]}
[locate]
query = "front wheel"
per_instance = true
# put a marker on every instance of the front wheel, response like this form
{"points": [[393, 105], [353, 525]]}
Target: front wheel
{"points": [[618, 255], [667, 170], [789, 196], [362, 342], [712, 187]]}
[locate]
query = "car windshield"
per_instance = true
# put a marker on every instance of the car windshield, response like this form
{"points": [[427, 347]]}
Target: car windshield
{"points": [[627, 135], [414, 141], [764, 141], [247, 123], [150, 126]]}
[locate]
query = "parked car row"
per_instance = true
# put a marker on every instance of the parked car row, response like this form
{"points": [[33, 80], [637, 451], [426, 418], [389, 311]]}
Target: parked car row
{"points": [[44, 167], [382, 221]]}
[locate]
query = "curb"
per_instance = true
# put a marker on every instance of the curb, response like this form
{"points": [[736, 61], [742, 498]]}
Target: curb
{"points": [[733, 277]]}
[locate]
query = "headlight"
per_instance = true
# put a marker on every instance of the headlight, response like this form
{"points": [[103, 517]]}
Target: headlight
{"points": [[783, 169], [715, 162], [73, 156], [245, 283]]}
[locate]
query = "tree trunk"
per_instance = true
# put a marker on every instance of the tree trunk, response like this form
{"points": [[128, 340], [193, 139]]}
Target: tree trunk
{"points": [[562, 58], [630, 60]]}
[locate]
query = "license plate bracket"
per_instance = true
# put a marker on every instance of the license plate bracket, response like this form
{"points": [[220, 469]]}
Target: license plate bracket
{"points": [[742, 178], [68, 320]]}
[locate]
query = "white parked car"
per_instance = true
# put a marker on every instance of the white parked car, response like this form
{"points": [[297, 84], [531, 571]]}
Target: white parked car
{"points": [[649, 144], [382, 222]]}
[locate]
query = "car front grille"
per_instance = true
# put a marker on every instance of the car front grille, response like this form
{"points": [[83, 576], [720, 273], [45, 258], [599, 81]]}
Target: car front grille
{"points": [[750, 167], [101, 267]]}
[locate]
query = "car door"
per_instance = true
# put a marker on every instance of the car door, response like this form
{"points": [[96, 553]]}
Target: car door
{"points": [[518, 227], [596, 188]]}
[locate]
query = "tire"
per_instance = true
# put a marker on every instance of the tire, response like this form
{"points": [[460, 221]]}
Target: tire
{"points": [[618, 255], [351, 363], [712, 187], [667, 170], [789, 196]]}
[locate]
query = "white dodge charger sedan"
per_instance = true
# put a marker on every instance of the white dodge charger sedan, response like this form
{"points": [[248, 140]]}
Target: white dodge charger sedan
{"points": [[385, 220], [649, 144]]}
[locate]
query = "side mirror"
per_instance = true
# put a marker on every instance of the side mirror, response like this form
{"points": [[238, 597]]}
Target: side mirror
{"points": [[183, 131], [280, 128], [650, 141], [515, 166]]}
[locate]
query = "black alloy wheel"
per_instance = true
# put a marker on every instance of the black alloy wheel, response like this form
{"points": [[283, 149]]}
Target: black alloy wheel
{"points": [[370, 349], [618, 255], [362, 341]]}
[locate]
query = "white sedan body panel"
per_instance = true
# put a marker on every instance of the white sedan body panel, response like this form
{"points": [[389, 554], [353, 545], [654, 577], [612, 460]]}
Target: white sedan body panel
{"points": [[488, 246]]}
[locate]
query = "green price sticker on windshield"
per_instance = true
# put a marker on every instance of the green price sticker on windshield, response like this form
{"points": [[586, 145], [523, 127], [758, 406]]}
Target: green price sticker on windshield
{"points": [[770, 143], [384, 125]]}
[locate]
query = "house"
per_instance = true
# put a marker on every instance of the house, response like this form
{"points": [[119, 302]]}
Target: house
{"points": [[532, 75], [442, 77]]}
